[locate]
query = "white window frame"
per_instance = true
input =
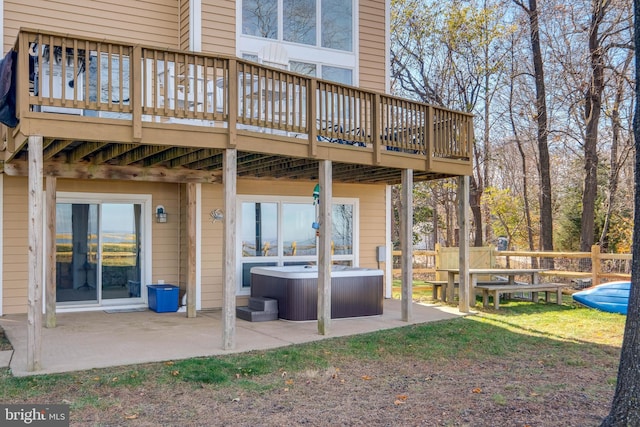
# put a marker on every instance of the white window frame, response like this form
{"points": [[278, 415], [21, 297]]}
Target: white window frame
{"points": [[145, 200], [280, 258], [318, 55]]}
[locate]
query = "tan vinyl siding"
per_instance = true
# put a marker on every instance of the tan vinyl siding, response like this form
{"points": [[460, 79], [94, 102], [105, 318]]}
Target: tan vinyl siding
{"points": [[165, 237], [15, 241], [152, 22], [372, 45], [185, 14], [219, 26], [211, 248]]}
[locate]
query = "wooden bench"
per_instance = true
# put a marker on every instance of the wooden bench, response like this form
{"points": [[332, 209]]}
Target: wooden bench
{"points": [[440, 287], [496, 290]]}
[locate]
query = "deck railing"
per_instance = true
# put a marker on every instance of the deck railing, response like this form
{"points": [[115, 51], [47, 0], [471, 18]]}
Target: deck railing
{"points": [[101, 78]]}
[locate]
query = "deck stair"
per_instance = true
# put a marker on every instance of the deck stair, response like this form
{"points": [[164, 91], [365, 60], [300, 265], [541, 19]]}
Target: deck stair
{"points": [[260, 309]]}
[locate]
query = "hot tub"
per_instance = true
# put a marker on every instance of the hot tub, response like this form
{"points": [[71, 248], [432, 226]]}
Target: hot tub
{"points": [[355, 291]]}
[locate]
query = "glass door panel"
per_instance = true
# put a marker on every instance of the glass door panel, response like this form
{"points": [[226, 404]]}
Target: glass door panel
{"points": [[76, 252], [299, 237], [259, 236], [121, 250]]}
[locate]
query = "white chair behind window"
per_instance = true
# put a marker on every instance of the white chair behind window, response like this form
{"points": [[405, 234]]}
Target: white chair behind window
{"points": [[274, 55]]}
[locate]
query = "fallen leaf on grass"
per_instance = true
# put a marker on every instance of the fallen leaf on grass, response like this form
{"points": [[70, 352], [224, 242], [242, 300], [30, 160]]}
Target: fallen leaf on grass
{"points": [[175, 373], [398, 402], [131, 417], [402, 397], [477, 390], [169, 363], [366, 377], [235, 399], [289, 382]]}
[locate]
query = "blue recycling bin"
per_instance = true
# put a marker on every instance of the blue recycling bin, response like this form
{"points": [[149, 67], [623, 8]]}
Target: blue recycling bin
{"points": [[163, 298]]}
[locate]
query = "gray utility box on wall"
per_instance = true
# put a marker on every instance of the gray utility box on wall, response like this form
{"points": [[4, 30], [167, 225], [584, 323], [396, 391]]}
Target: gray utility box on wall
{"points": [[381, 253]]}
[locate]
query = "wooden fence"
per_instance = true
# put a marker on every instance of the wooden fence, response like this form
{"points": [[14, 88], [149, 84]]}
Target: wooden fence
{"points": [[590, 268]]}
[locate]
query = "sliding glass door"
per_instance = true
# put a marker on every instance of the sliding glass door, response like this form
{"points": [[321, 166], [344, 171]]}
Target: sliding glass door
{"points": [[120, 248], [76, 252], [98, 253]]}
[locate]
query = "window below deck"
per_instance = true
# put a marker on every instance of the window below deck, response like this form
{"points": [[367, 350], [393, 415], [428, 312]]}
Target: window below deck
{"points": [[278, 231]]}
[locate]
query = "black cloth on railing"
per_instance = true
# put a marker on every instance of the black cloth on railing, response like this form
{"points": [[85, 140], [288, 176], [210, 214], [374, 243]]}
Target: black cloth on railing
{"points": [[8, 90], [340, 131]]}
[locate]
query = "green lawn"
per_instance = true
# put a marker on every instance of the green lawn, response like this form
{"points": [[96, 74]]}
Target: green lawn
{"points": [[523, 322], [543, 335]]}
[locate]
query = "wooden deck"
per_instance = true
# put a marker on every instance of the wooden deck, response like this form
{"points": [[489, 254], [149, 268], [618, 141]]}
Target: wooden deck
{"points": [[117, 111]]}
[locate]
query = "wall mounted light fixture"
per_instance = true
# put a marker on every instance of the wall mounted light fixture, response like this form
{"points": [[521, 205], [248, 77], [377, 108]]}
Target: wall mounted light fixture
{"points": [[216, 215], [161, 214]]}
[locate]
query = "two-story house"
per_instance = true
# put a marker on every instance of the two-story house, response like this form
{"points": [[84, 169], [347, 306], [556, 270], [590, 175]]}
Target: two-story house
{"points": [[180, 141]]}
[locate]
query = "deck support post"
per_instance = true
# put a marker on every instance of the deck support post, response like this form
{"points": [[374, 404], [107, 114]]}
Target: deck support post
{"points": [[466, 287], [191, 250], [35, 252], [50, 266], [406, 244], [229, 242], [324, 247]]}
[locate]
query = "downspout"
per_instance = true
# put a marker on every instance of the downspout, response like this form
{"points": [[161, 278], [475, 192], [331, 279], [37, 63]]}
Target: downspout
{"points": [[388, 266], [195, 25]]}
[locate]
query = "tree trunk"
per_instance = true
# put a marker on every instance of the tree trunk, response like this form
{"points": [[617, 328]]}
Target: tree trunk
{"points": [[592, 109], [625, 409], [474, 204], [546, 217], [435, 218]]}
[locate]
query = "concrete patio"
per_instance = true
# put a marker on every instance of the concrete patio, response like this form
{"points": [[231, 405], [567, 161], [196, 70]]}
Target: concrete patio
{"points": [[99, 339]]}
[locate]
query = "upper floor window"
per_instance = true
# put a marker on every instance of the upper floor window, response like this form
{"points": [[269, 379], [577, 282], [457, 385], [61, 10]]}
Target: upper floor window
{"points": [[321, 23], [260, 18]]}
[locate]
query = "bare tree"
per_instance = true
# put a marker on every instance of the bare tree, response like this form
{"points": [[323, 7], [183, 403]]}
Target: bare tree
{"points": [[592, 110], [452, 55]]}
